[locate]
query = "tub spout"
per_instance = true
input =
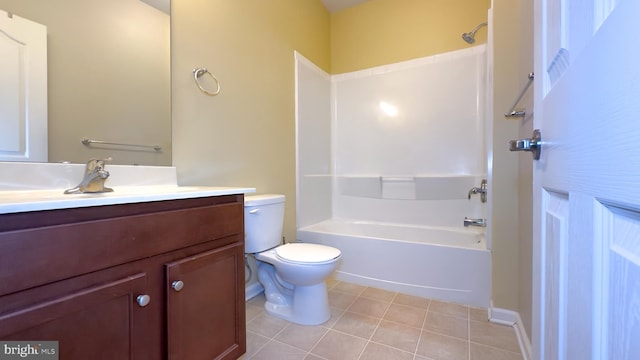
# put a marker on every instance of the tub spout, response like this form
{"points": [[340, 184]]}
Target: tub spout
{"points": [[474, 222]]}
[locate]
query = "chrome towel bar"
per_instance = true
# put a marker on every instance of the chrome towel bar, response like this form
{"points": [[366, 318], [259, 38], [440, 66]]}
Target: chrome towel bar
{"points": [[88, 142], [513, 113]]}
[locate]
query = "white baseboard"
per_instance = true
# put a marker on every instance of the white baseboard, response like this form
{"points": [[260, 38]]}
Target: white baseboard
{"points": [[523, 339], [512, 318], [502, 316]]}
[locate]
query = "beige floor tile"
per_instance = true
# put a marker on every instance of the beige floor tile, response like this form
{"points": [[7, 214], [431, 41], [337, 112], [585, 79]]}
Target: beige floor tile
{"points": [[338, 346], [478, 314], [371, 307], [441, 347], [349, 288], [495, 335], [302, 337], [275, 350], [331, 282], [341, 300], [251, 311], [410, 300], [375, 351], [254, 343], [266, 325], [378, 294], [356, 324], [369, 324], [483, 352], [458, 310], [396, 335], [313, 357], [335, 315], [406, 315], [447, 325]]}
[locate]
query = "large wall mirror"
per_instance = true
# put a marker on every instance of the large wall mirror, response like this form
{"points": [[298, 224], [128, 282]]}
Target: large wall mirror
{"points": [[108, 78]]}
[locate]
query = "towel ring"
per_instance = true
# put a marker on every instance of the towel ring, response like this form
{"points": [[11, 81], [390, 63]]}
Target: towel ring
{"points": [[197, 73]]}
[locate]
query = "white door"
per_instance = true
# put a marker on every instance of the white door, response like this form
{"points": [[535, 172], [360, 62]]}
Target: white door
{"points": [[587, 182], [23, 89]]}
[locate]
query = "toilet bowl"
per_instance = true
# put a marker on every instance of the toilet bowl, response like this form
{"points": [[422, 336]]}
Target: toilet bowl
{"points": [[293, 275]]}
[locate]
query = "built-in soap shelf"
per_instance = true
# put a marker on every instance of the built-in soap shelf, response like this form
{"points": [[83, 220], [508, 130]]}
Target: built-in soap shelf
{"points": [[423, 187]]}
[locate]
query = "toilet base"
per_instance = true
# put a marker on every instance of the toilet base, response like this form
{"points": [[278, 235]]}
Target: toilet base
{"points": [[304, 305]]}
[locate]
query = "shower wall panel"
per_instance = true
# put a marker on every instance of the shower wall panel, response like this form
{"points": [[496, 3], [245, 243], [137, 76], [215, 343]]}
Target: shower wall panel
{"points": [[401, 143], [313, 143], [409, 140], [415, 118]]}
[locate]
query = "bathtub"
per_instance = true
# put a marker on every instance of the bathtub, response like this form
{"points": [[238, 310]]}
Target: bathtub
{"points": [[448, 264]]}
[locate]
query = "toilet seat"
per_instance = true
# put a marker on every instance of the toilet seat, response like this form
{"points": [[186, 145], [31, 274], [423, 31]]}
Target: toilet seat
{"points": [[305, 253]]}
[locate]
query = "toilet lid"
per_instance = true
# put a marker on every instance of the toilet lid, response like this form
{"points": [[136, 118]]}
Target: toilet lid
{"points": [[307, 253]]}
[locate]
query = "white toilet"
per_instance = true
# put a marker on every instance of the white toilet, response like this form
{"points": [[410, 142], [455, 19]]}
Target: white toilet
{"points": [[293, 275]]}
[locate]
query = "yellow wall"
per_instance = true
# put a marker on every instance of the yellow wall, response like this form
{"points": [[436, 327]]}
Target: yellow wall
{"points": [[246, 135], [511, 186], [380, 32]]}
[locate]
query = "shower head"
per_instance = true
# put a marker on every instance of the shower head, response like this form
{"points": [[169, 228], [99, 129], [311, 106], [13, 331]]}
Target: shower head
{"points": [[470, 36]]}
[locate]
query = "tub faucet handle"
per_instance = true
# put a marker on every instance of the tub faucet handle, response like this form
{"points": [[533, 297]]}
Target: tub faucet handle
{"points": [[482, 190]]}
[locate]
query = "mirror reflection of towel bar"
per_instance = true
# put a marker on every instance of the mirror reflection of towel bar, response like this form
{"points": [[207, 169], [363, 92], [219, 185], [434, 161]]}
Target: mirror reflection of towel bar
{"points": [[88, 142]]}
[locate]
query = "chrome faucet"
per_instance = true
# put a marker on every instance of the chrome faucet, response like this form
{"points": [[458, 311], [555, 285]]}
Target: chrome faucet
{"points": [[474, 222], [94, 178], [482, 190]]}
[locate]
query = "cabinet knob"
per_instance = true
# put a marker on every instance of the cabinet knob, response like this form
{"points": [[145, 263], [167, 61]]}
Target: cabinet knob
{"points": [[177, 285], [143, 300]]}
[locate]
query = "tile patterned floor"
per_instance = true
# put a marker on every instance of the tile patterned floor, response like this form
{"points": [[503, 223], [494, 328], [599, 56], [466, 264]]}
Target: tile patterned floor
{"points": [[373, 324]]}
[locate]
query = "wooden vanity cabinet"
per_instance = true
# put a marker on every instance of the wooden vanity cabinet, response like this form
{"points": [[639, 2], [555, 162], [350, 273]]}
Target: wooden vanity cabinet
{"points": [[154, 280], [202, 322]]}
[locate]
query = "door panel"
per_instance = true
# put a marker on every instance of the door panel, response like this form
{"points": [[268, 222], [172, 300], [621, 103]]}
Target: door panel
{"points": [[586, 302], [23, 89], [618, 283], [555, 251]]}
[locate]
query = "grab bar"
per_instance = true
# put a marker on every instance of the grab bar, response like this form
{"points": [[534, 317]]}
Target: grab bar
{"points": [[513, 113], [88, 142]]}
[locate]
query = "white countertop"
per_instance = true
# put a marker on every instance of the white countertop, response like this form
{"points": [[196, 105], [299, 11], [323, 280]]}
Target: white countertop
{"points": [[37, 200], [34, 187]]}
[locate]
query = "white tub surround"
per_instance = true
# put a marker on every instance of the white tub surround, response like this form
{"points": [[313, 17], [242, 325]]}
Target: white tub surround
{"points": [[449, 264], [40, 186], [417, 187], [386, 158]]}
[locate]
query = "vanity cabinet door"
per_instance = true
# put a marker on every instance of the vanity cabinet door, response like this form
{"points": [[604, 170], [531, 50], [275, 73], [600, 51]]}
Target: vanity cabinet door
{"points": [[205, 305], [102, 321]]}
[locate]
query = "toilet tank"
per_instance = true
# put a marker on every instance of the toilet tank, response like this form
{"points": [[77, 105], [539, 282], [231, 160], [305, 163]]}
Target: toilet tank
{"points": [[263, 221]]}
